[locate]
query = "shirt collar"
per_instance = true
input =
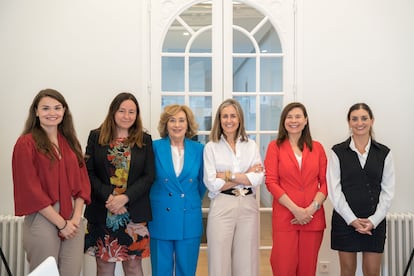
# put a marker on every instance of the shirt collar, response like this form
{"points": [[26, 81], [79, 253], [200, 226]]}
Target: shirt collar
{"points": [[353, 147]]}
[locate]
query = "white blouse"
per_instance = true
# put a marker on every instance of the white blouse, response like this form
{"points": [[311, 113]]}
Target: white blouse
{"points": [[178, 159], [219, 157]]}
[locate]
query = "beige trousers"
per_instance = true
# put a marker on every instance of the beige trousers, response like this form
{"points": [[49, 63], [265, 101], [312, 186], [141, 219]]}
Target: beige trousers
{"points": [[232, 236], [40, 240]]}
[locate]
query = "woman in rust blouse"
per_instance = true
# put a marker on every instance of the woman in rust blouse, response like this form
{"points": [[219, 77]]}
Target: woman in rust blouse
{"points": [[51, 184]]}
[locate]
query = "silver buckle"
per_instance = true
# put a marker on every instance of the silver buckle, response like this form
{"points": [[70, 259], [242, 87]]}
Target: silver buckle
{"points": [[240, 192]]}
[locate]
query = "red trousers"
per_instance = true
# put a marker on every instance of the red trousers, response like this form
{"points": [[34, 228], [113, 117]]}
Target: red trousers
{"points": [[295, 253]]}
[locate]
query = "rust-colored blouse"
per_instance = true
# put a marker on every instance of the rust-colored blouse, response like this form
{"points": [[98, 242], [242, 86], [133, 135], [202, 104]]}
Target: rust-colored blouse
{"points": [[40, 182]]}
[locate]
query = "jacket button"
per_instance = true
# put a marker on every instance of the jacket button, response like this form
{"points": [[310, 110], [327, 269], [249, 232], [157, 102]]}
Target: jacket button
{"points": [[168, 209], [170, 194], [182, 195]]}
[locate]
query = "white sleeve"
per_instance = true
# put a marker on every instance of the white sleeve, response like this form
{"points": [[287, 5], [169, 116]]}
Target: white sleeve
{"points": [[387, 191], [256, 179], [212, 183], [335, 194]]}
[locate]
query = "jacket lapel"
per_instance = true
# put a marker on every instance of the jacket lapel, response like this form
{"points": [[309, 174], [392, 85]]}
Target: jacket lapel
{"points": [[165, 156], [167, 165], [291, 154], [189, 159]]}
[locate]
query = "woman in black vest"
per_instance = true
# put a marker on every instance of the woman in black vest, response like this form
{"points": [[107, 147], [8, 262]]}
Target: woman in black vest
{"points": [[361, 186]]}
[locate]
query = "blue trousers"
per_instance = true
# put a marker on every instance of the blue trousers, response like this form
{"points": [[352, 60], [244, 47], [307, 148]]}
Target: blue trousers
{"points": [[174, 257]]}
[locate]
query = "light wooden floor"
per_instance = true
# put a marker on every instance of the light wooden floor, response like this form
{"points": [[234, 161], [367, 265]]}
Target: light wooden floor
{"points": [[265, 240]]}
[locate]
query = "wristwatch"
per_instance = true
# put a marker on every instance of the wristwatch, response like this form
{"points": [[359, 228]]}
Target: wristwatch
{"points": [[316, 205], [233, 176]]}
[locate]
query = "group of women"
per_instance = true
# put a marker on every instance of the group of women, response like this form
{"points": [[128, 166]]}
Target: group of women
{"points": [[144, 198]]}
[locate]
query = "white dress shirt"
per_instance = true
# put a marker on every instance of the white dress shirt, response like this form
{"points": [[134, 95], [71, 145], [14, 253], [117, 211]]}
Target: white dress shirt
{"points": [[219, 157], [178, 159], [337, 197]]}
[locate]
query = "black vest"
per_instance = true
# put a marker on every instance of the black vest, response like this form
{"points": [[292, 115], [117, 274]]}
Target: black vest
{"points": [[361, 186]]}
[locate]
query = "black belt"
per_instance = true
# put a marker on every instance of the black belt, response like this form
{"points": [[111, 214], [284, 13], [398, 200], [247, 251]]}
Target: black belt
{"points": [[238, 192]]}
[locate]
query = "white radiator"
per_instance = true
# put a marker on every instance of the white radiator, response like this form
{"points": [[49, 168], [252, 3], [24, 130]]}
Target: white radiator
{"points": [[11, 242], [399, 244]]}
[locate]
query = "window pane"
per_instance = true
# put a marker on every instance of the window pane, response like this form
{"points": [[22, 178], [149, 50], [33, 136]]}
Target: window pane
{"points": [[176, 39], [264, 143], [270, 109], [241, 43], [202, 44], [271, 74], [244, 74], [200, 74], [198, 15], [167, 100], [246, 16], [201, 107], [268, 39], [248, 103], [203, 139], [172, 74]]}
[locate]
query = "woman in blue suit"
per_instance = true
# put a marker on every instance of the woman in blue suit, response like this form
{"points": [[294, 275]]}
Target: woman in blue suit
{"points": [[176, 195]]}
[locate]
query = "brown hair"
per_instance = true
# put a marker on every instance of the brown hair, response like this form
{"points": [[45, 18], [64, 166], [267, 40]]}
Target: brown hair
{"points": [[365, 107], [108, 127], [66, 127], [305, 137], [171, 110]]}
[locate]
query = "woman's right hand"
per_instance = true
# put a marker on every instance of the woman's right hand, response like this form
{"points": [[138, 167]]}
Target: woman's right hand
{"points": [[363, 226], [69, 231], [302, 216], [116, 204]]}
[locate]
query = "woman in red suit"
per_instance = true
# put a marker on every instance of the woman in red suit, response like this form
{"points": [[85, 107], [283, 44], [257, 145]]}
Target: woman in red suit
{"points": [[296, 177]]}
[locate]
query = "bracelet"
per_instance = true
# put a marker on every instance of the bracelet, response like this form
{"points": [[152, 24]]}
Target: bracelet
{"points": [[227, 176], [64, 226], [316, 205]]}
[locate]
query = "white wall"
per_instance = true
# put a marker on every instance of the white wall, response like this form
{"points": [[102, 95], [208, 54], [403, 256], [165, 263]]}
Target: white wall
{"points": [[87, 50], [349, 51], [360, 51]]}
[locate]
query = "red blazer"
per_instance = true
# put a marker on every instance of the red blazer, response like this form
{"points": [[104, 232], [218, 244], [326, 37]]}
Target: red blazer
{"points": [[283, 176]]}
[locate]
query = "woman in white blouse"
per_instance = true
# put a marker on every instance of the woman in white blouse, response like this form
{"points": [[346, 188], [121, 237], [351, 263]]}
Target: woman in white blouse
{"points": [[361, 186], [232, 170]]}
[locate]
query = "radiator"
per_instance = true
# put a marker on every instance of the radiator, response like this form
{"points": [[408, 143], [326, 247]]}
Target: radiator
{"points": [[398, 245], [11, 242]]}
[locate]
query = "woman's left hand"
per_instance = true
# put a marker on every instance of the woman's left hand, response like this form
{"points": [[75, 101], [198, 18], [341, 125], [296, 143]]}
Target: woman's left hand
{"points": [[116, 204], [364, 226], [302, 217]]}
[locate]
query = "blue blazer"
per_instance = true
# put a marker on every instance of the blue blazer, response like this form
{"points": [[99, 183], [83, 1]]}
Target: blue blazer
{"points": [[176, 201]]}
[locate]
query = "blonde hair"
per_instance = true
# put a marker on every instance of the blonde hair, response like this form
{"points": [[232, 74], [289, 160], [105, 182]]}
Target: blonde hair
{"points": [[173, 109], [217, 130]]}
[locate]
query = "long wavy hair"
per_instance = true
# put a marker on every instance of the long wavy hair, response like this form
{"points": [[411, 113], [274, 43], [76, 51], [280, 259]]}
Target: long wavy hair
{"points": [[108, 127], [66, 127], [305, 137]]}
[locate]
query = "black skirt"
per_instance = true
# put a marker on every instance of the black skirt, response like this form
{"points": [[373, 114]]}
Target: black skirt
{"points": [[345, 238]]}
